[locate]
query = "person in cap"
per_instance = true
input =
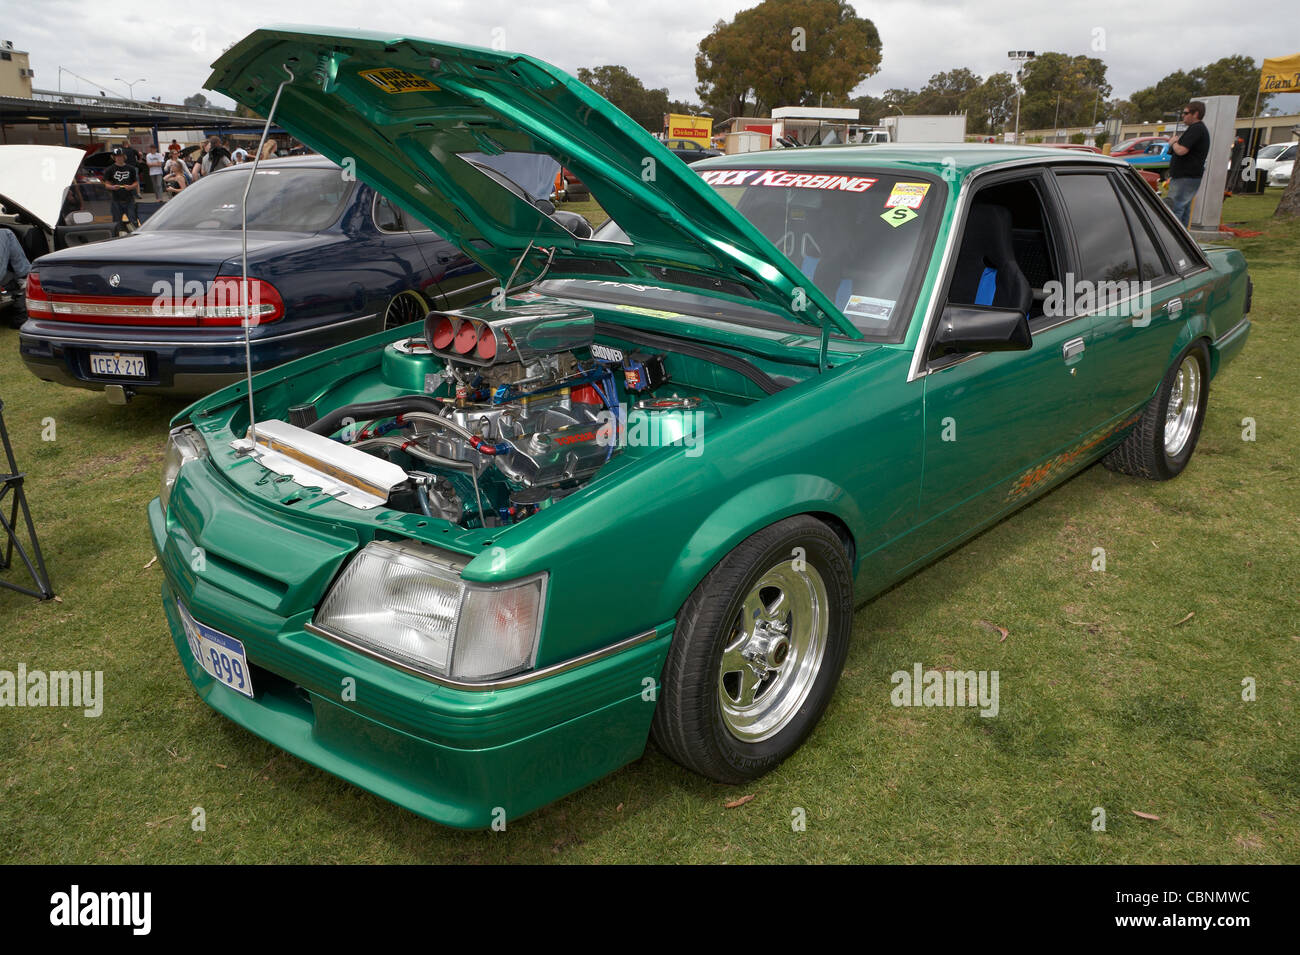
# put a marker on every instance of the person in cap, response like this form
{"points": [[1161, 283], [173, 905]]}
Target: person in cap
{"points": [[122, 180]]}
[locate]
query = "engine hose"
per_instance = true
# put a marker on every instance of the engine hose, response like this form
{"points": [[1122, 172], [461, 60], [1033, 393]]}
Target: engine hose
{"points": [[412, 448], [422, 495], [373, 410], [441, 421]]}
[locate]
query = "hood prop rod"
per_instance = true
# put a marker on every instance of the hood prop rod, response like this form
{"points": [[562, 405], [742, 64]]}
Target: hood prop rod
{"points": [[243, 285]]}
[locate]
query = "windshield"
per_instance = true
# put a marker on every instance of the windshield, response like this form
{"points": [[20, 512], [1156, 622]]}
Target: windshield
{"points": [[858, 236], [284, 199]]}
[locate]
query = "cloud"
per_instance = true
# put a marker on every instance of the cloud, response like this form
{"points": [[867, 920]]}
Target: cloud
{"points": [[171, 47]]}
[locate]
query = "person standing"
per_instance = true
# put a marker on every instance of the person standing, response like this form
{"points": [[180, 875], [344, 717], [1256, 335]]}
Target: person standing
{"points": [[155, 160], [1190, 147], [216, 157], [122, 181]]}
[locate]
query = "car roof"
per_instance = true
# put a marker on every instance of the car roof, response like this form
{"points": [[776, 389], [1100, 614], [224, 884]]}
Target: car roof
{"points": [[938, 158]]}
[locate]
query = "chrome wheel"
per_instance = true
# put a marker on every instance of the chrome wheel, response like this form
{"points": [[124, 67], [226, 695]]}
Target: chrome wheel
{"points": [[1184, 401], [406, 307], [775, 651]]}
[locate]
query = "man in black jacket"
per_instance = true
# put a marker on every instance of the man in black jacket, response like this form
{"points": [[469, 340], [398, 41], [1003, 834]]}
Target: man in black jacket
{"points": [[1190, 147]]}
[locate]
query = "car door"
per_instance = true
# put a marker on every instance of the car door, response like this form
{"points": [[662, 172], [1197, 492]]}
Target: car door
{"points": [[457, 280], [1136, 330], [995, 420]]}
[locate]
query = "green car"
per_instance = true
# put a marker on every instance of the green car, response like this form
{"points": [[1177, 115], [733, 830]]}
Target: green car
{"points": [[473, 564]]}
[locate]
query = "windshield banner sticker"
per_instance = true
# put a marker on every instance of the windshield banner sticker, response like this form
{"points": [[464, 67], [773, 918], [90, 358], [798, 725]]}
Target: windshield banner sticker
{"points": [[907, 195], [399, 81], [782, 178]]}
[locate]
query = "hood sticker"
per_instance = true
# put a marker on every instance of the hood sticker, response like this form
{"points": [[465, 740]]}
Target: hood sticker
{"points": [[907, 195], [399, 81]]}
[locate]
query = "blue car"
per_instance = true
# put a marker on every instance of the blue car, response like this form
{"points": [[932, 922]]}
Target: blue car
{"points": [[329, 260], [1155, 157]]}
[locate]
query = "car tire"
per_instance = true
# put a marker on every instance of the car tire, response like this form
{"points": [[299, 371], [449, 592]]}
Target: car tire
{"points": [[403, 308], [735, 701], [1166, 435]]}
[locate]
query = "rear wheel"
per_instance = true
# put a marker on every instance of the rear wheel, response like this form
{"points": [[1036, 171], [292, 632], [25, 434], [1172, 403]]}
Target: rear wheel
{"points": [[1165, 437], [405, 307], [758, 650]]}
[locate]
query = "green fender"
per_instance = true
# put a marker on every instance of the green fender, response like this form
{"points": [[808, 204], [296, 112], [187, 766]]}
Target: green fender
{"points": [[748, 512]]}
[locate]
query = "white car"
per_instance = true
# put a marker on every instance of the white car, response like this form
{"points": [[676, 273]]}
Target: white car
{"points": [[1271, 155], [1280, 174]]}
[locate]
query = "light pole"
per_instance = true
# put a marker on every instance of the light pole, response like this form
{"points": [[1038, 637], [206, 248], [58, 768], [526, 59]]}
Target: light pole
{"points": [[895, 106], [1020, 58], [130, 86]]}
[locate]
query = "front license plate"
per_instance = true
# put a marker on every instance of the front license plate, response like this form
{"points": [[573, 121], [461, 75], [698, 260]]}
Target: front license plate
{"points": [[117, 365], [221, 656]]}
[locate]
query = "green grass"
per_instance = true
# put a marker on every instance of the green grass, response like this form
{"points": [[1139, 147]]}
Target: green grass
{"points": [[1106, 698]]}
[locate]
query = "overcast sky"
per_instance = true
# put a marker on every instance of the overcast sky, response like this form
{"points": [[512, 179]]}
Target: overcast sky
{"points": [[170, 45]]}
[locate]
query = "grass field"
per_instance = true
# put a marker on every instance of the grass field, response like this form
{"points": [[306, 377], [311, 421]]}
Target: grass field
{"points": [[1119, 689]]}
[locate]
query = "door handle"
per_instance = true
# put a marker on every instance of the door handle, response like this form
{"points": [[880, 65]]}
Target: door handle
{"points": [[1174, 307], [1072, 350]]}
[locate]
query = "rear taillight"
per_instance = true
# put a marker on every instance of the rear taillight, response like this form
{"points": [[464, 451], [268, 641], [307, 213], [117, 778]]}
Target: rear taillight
{"points": [[38, 303], [223, 304], [226, 303]]}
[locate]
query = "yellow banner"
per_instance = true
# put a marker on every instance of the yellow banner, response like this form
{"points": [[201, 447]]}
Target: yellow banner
{"points": [[1281, 75], [697, 129]]}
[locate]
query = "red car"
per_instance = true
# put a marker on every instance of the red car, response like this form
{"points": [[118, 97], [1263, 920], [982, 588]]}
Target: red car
{"points": [[1131, 147]]}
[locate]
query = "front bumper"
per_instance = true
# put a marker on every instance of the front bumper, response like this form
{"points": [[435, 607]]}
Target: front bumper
{"points": [[463, 758]]}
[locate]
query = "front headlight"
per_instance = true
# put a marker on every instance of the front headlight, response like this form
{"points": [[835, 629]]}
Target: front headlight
{"points": [[407, 603], [183, 446]]}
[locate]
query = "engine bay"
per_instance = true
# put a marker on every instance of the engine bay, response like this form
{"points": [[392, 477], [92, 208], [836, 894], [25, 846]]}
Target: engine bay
{"points": [[502, 414]]}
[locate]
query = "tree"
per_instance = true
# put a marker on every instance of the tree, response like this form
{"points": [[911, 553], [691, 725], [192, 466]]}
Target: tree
{"points": [[1156, 102], [1120, 109], [197, 101], [620, 87], [1062, 89], [1289, 206], [991, 105], [1234, 76], [786, 53], [1230, 76], [871, 109], [943, 94]]}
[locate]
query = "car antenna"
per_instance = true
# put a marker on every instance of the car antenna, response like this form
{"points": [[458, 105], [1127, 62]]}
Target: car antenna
{"points": [[243, 282]]}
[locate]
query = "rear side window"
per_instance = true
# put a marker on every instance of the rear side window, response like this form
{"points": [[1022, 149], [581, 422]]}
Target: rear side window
{"points": [[1151, 263], [1180, 250], [1106, 252]]}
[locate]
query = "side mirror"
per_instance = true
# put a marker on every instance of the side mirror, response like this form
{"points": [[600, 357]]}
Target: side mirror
{"points": [[575, 223], [545, 205], [973, 328]]}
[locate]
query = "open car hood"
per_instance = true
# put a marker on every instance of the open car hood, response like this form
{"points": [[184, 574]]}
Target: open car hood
{"points": [[404, 111], [34, 178]]}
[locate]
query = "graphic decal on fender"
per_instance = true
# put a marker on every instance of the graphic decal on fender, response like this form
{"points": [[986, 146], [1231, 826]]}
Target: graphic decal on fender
{"points": [[1063, 462]]}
